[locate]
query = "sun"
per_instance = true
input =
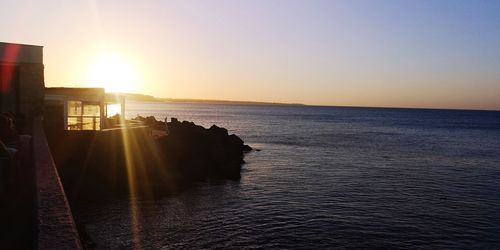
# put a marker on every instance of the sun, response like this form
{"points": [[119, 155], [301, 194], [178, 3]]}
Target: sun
{"points": [[114, 73]]}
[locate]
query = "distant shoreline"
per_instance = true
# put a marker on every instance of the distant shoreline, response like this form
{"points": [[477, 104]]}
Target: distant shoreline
{"points": [[202, 101], [149, 98]]}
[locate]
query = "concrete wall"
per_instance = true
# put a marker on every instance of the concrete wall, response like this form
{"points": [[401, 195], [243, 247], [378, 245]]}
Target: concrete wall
{"points": [[55, 225]]}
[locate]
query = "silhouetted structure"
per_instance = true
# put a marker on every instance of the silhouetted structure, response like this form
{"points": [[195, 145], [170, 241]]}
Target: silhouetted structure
{"points": [[34, 212], [75, 108], [21, 78], [78, 108]]}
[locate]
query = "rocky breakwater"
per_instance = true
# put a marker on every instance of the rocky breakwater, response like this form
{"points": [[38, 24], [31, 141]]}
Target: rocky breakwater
{"points": [[198, 153], [95, 164]]}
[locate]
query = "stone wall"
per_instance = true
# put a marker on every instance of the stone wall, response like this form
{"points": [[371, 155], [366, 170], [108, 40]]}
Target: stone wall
{"points": [[55, 225]]}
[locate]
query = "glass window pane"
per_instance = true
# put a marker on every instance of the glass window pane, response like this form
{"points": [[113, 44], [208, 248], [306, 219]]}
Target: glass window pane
{"points": [[74, 108], [98, 123], [91, 110], [91, 123], [74, 123]]}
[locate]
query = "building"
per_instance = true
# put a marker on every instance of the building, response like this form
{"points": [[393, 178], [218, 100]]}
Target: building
{"points": [[21, 79], [22, 91], [75, 108], [79, 108]]}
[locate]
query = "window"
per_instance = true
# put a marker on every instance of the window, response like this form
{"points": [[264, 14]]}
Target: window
{"points": [[74, 108], [74, 115], [84, 116], [91, 117]]}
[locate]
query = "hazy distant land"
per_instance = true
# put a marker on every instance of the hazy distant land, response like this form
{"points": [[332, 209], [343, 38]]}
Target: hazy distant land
{"points": [[150, 98]]}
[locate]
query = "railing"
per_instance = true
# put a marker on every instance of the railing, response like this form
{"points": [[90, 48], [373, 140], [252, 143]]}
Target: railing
{"points": [[128, 124], [55, 225]]}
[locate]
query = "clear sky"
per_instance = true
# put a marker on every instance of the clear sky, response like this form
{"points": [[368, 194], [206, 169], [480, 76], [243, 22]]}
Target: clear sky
{"points": [[425, 53]]}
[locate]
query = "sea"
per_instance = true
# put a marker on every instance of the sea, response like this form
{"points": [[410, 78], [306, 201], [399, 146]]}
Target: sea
{"points": [[324, 178]]}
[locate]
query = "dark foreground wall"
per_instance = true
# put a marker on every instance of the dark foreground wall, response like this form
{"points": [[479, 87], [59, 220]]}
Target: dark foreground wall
{"points": [[55, 227], [17, 198]]}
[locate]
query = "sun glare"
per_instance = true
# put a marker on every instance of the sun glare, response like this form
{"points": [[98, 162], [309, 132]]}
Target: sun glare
{"points": [[113, 73]]}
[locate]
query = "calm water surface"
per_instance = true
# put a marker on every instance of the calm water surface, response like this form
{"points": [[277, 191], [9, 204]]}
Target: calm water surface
{"points": [[326, 177]]}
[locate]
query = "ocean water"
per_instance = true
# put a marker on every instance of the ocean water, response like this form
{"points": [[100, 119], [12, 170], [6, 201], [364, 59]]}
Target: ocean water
{"points": [[326, 177]]}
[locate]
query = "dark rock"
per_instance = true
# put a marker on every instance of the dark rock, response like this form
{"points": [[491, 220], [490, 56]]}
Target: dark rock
{"points": [[218, 131], [247, 148], [200, 153], [150, 121]]}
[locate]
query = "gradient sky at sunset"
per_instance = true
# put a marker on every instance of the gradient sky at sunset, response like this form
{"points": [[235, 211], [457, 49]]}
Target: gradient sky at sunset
{"points": [[364, 53]]}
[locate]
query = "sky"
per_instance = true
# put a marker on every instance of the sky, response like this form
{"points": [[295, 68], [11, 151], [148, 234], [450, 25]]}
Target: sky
{"points": [[405, 53]]}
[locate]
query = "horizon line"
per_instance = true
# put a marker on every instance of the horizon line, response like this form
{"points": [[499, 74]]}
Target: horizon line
{"points": [[273, 103]]}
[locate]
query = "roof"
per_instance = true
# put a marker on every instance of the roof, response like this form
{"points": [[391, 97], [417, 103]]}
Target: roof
{"points": [[22, 44], [20, 53], [75, 91]]}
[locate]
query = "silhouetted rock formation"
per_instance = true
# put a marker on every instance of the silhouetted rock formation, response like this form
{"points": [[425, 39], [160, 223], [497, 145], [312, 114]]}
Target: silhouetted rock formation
{"points": [[150, 121], [197, 152]]}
